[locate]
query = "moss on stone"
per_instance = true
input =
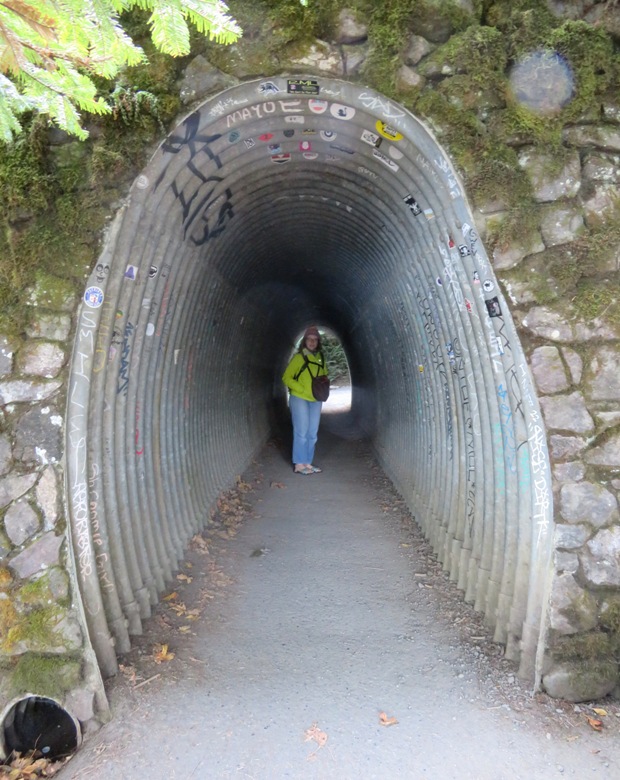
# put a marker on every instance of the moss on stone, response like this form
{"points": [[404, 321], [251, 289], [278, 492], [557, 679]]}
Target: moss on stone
{"points": [[590, 647], [610, 615], [36, 627], [45, 675], [598, 299]]}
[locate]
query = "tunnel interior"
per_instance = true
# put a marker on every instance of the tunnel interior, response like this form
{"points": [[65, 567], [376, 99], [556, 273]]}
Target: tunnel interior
{"points": [[277, 204]]}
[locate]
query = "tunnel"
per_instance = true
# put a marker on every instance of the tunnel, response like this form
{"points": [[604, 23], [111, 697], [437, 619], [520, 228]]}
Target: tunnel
{"points": [[276, 204]]}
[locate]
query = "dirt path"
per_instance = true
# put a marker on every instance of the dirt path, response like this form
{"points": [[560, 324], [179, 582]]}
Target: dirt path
{"points": [[314, 607]]}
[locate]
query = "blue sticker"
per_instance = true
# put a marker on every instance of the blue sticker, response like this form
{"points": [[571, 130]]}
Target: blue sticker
{"points": [[93, 297]]}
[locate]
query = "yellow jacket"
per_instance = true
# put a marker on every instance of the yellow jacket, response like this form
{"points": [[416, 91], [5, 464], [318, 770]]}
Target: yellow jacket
{"points": [[302, 386]]}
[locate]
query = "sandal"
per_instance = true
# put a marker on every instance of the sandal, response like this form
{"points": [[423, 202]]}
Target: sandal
{"points": [[316, 469], [307, 470]]}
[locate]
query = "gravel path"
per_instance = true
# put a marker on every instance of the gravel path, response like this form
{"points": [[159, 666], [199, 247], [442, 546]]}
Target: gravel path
{"points": [[316, 609]]}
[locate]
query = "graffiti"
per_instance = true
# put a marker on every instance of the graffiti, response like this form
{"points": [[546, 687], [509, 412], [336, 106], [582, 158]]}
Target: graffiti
{"points": [[79, 495], [262, 110], [539, 463], [455, 190], [222, 106], [508, 431], [101, 557], [366, 172], [123, 372], [378, 103]]}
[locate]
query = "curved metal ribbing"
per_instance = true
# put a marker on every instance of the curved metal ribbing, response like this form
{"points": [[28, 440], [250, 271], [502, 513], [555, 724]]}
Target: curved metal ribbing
{"points": [[276, 204]]}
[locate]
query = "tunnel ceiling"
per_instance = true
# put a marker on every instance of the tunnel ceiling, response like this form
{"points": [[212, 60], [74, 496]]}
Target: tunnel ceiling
{"points": [[276, 204]]}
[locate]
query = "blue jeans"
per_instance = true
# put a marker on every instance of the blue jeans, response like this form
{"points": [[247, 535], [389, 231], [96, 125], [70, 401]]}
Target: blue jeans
{"points": [[306, 416]]}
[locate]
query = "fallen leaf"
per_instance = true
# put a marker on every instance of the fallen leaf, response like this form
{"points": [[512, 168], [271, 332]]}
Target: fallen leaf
{"points": [[277, 485], [599, 711], [184, 629], [315, 733], [184, 578], [384, 720], [171, 596], [595, 723], [160, 654], [179, 608]]}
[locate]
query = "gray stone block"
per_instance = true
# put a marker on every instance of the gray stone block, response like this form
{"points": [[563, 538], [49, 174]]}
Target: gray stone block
{"points": [[14, 486], [40, 358], [607, 454], [586, 502], [602, 565], [20, 522], [567, 413], [22, 390], [39, 555], [38, 436], [548, 369], [568, 682]]}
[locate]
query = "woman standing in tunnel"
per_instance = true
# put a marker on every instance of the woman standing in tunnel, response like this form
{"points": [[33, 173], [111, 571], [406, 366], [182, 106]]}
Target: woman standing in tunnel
{"points": [[306, 363]]}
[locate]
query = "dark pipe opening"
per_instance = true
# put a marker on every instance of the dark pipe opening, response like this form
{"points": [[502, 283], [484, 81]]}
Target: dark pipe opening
{"points": [[40, 725]]}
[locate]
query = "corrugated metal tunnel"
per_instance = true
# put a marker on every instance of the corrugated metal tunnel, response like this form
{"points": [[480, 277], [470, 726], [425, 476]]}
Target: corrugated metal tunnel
{"points": [[277, 204]]}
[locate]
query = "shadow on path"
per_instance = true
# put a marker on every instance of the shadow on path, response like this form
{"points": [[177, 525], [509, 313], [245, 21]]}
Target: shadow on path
{"points": [[325, 607]]}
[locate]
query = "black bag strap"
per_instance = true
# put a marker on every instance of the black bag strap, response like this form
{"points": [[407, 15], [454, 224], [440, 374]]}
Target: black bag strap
{"points": [[307, 366]]}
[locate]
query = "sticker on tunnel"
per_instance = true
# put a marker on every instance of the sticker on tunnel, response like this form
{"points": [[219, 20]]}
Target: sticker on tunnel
{"points": [[413, 204], [371, 138], [342, 112], [281, 158], [303, 86], [131, 272], [317, 106], [493, 307], [385, 160], [93, 297], [387, 131]]}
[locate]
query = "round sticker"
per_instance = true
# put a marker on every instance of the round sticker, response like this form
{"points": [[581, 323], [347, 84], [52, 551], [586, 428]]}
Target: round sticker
{"points": [[142, 182], [342, 112], [93, 297], [317, 106], [328, 135], [265, 137], [234, 136], [488, 285]]}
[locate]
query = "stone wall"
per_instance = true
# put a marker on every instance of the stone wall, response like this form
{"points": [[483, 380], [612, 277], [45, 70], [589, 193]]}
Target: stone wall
{"points": [[570, 329]]}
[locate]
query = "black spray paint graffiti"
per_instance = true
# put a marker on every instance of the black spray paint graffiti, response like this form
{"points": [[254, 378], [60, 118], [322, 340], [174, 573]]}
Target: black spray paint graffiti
{"points": [[196, 198], [468, 426], [123, 371]]}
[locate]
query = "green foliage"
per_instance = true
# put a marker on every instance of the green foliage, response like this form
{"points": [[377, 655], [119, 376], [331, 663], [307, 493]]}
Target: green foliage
{"points": [[589, 51], [296, 21], [335, 357], [478, 51], [52, 52], [598, 298]]}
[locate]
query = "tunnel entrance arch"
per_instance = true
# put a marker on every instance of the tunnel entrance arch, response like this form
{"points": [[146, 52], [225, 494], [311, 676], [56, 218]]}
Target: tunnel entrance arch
{"points": [[278, 202]]}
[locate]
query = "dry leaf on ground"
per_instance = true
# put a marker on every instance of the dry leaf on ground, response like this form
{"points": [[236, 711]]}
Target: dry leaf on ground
{"points": [[315, 733], [184, 578], [171, 596], [160, 654], [384, 720], [599, 711], [595, 723], [277, 485]]}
